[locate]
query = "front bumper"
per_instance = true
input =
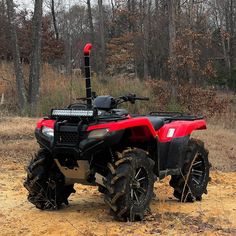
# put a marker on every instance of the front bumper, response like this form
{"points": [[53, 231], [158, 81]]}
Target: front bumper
{"points": [[80, 150], [77, 145]]}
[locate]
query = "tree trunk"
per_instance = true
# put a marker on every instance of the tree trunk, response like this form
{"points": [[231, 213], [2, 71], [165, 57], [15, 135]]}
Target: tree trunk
{"points": [[92, 34], [102, 37], [21, 93], [233, 39], [190, 43], [232, 25], [130, 16], [54, 19], [34, 76], [90, 18], [172, 54], [223, 19], [145, 38]]}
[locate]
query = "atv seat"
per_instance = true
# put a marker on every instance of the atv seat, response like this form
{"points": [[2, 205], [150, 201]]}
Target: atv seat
{"points": [[120, 112], [156, 122]]}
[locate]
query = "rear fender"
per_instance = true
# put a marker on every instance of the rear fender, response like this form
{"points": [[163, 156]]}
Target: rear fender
{"points": [[172, 153], [178, 129]]}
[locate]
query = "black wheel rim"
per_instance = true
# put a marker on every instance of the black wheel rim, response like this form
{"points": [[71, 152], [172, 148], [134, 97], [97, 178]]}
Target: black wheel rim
{"points": [[198, 170], [139, 186]]}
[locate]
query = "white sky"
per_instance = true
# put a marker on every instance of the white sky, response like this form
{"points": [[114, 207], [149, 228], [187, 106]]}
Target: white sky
{"points": [[29, 4]]}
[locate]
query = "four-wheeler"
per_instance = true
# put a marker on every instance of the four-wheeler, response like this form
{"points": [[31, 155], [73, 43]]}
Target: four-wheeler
{"points": [[96, 143]]}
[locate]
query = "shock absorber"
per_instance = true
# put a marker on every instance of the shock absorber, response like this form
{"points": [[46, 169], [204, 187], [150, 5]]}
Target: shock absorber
{"points": [[87, 71]]}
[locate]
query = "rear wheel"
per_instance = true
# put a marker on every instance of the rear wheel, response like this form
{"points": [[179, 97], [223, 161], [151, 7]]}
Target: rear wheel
{"points": [[192, 183], [45, 183], [130, 185]]}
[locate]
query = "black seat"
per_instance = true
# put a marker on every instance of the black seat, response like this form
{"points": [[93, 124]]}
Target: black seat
{"points": [[156, 122], [120, 112]]}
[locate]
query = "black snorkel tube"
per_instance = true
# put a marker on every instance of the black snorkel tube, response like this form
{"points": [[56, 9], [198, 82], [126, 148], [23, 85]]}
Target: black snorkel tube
{"points": [[87, 72]]}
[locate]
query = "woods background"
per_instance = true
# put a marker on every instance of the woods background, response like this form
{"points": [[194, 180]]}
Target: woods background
{"points": [[178, 51]]}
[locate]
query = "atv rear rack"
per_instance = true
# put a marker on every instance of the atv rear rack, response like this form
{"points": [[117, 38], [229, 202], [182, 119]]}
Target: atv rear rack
{"points": [[175, 116]]}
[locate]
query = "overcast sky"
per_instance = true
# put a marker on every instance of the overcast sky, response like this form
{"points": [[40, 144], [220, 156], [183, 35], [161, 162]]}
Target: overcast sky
{"points": [[29, 4]]}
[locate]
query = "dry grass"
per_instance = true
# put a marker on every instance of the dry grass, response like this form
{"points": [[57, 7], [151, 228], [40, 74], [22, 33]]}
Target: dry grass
{"points": [[58, 90], [14, 127], [17, 141], [221, 144]]}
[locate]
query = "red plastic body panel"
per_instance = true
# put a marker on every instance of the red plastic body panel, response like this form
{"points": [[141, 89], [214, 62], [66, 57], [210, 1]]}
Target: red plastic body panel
{"points": [[47, 123], [142, 129], [182, 128], [87, 49]]}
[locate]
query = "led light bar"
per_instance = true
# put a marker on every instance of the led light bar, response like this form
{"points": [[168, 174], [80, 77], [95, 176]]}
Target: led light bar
{"points": [[72, 113]]}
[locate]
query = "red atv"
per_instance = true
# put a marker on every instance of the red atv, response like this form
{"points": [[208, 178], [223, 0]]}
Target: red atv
{"points": [[96, 143]]}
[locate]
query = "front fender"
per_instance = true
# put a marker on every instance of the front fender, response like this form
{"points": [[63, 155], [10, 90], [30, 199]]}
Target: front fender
{"points": [[135, 124], [45, 122]]}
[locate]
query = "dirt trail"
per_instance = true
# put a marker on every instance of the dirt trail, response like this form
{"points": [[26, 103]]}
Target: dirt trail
{"points": [[88, 215]]}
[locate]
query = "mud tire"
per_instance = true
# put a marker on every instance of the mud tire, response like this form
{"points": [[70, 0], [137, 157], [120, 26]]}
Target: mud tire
{"points": [[45, 183], [193, 181], [122, 185]]}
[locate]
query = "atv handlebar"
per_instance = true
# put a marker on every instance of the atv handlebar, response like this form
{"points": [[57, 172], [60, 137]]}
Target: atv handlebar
{"points": [[129, 98], [142, 98]]}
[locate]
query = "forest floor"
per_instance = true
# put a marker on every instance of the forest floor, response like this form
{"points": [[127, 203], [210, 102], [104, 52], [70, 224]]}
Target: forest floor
{"points": [[88, 215]]}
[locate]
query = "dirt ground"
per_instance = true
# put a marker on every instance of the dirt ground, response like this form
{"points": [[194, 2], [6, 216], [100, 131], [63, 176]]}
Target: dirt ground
{"points": [[88, 215]]}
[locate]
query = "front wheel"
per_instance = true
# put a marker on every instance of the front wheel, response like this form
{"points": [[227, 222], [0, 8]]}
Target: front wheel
{"points": [[45, 183], [130, 185], [194, 178]]}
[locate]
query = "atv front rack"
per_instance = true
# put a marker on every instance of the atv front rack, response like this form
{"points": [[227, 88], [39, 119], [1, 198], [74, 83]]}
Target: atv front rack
{"points": [[175, 116]]}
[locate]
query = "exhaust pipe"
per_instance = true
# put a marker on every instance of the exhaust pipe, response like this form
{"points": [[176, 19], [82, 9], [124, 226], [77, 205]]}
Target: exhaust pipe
{"points": [[87, 72]]}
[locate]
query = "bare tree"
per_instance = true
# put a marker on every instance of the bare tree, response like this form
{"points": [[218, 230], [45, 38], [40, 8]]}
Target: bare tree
{"points": [[90, 18], [91, 29], [221, 13], [146, 13], [231, 29], [102, 37], [34, 76], [172, 6], [16, 55], [54, 19], [190, 69]]}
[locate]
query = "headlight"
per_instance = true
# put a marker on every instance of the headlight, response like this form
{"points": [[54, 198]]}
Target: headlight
{"points": [[49, 132], [98, 133]]}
